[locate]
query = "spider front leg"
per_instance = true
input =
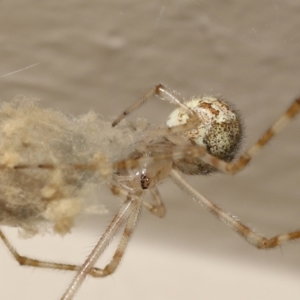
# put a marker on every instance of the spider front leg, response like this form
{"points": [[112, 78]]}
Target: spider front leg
{"points": [[164, 94]]}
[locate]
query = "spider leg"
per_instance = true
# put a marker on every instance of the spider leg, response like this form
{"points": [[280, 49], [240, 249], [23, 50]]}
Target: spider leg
{"points": [[163, 93], [128, 214], [158, 208], [247, 233], [26, 261]]}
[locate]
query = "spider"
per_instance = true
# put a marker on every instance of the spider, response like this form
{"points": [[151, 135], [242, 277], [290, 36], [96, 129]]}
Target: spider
{"points": [[48, 165]]}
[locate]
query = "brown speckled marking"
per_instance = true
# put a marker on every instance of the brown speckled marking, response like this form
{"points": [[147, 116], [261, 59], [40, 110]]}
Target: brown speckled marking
{"points": [[209, 107]]}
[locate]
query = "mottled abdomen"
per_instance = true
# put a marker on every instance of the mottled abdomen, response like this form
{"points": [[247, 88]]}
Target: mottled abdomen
{"points": [[219, 130]]}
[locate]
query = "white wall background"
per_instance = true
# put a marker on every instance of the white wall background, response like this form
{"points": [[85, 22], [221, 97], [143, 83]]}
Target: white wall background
{"points": [[103, 55]]}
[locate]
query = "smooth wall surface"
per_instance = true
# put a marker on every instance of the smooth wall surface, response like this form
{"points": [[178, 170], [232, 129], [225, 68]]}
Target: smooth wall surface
{"points": [[103, 55]]}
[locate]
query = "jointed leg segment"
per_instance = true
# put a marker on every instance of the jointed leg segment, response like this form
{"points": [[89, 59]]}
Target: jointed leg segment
{"points": [[164, 93], [26, 261], [128, 215], [158, 208], [250, 235]]}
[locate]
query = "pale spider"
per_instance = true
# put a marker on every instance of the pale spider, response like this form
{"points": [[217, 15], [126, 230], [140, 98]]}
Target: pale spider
{"points": [[49, 164]]}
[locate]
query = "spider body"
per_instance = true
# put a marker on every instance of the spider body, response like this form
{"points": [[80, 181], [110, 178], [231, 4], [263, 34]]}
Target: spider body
{"points": [[202, 135]]}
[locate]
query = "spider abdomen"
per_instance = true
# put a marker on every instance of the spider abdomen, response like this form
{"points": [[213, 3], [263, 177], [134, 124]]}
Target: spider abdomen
{"points": [[219, 130]]}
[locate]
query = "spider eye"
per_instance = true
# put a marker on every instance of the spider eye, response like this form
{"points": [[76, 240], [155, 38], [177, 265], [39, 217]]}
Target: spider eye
{"points": [[145, 182]]}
